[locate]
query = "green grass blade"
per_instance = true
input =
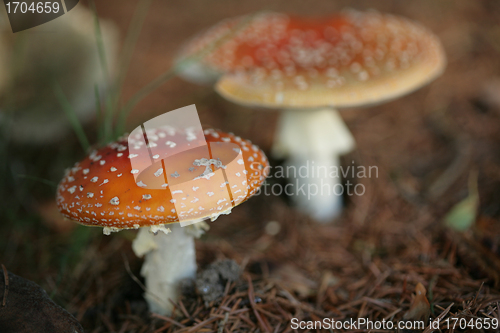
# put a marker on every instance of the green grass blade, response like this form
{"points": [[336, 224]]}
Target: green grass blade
{"points": [[463, 215], [170, 73], [128, 50], [106, 121], [38, 179], [99, 115], [140, 95], [70, 113], [100, 44]]}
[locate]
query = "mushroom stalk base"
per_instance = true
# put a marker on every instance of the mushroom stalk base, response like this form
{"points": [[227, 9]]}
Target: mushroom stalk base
{"points": [[316, 193], [168, 260], [311, 141]]}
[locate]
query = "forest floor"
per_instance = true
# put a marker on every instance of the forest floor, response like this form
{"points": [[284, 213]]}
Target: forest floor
{"points": [[426, 147]]}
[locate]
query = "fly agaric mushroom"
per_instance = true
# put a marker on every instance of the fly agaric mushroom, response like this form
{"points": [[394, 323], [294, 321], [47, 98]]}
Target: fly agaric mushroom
{"points": [[186, 177], [310, 67]]}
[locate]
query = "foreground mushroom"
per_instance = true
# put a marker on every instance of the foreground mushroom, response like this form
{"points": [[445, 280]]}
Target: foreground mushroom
{"points": [[310, 67], [158, 177]]}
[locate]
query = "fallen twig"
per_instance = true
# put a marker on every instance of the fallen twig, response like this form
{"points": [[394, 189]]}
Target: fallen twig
{"points": [[6, 285]]}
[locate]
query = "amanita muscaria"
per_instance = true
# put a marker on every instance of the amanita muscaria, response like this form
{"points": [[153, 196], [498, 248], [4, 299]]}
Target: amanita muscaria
{"points": [[309, 67], [156, 179]]}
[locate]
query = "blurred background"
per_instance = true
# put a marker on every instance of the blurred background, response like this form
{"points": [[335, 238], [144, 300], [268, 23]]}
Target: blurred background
{"points": [[427, 146]]}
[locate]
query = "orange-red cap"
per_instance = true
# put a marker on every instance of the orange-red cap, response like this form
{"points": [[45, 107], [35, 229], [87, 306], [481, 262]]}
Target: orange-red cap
{"points": [[348, 59], [105, 190]]}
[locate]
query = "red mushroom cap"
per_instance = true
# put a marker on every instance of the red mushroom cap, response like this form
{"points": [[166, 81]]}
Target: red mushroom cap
{"points": [[106, 189], [349, 59]]}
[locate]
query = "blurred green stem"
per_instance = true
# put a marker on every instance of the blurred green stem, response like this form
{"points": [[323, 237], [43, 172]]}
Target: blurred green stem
{"points": [[107, 119], [170, 73], [128, 50], [73, 118]]}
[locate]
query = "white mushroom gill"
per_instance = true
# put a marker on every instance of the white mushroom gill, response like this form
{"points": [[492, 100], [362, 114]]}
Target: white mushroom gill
{"points": [[314, 140], [169, 258]]}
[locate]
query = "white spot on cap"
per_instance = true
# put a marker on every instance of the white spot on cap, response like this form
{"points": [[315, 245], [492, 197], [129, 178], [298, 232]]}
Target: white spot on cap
{"points": [[158, 172], [146, 196], [240, 161], [210, 194], [137, 208], [134, 171], [195, 188], [132, 155], [141, 184], [85, 171], [72, 189], [178, 191], [115, 201], [160, 209], [113, 169], [104, 182], [93, 180], [90, 195], [279, 97], [102, 162]]}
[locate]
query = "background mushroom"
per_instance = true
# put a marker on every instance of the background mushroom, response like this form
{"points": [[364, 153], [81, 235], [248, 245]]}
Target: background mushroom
{"points": [[62, 52], [156, 178], [309, 67]]}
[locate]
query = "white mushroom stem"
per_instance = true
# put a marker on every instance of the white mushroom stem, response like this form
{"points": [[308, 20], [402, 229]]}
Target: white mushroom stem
{"points": [[312, 141], [169, 258]]}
